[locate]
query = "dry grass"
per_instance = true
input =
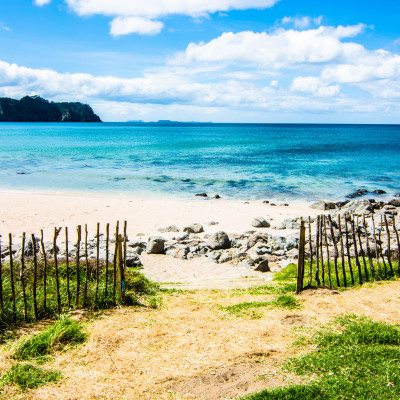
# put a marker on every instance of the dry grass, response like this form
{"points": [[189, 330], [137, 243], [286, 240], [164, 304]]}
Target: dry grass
{"points": [[174, 353]]}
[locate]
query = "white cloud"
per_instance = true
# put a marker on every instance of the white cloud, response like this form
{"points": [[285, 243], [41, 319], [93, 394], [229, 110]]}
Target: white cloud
{"points": [[141, 16], [279, 49], [42, 2], [125, 25], [302, 22], [315, 86]]}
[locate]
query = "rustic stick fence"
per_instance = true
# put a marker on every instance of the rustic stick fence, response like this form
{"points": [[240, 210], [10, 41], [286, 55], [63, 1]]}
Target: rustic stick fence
{"points": [[38, 280], [347, 251]]}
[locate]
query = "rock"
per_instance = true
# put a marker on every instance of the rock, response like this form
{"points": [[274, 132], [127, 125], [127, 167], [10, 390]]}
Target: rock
{"points": [[219, 240], [290, 223], [184, 236], [254, 256], [292, 242], [358, 193], [255, 238], [266, 202], [397, 195], [214, 255], [201, 195], [379, 191], [171, 228], [211, 223], [194, 228], [225, 257], [29, 247], [217, 196], [182, 253], [394, 202], [260, 222], [358, 206], [133, 261], [323, 205], [262, 267], [246, 264], [155, 245]]}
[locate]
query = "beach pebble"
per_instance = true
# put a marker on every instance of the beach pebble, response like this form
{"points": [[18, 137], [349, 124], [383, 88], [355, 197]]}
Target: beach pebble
{"points": [[211, 223], [263, 266], [260, 222], [394, 202], [201, 195], [155, 245], [219, 240], [194, 228]]}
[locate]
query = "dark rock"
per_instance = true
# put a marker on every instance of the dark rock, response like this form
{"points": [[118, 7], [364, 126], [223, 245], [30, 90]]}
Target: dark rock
{"points": [[379, 191], [397, 195], [217, 196], [260, 222], [194, 228], [358, 193], [155, 245], [263, 267], [255, 238], [266, 202], [394, 202], [201, 195], [219, 240], [340, 204]]}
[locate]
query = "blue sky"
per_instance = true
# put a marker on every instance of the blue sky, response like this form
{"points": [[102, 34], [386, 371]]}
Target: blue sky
{"points": [[207, 60]]}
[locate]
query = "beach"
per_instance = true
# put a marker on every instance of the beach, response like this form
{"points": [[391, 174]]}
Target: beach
{"points": [[31, 212]]}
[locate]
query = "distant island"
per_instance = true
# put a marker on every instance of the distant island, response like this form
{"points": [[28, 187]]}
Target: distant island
{"points": [[37, 109]]}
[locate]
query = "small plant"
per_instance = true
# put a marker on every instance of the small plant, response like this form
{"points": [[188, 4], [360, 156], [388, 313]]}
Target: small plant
{"points": [[285, 301], [27, 376], [64, 332]]}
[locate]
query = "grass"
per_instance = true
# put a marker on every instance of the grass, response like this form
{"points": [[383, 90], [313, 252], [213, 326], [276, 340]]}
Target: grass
{"points": [[284, 288], [286, 302], [360, 359], [28, 376], [137, 289], [64, 332]]}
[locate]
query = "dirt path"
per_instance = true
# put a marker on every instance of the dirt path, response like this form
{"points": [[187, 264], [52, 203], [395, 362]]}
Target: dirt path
{"points": [[191, 349]]}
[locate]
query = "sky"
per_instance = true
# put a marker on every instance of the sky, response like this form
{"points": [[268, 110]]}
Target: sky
{"points": [[269, 61]]}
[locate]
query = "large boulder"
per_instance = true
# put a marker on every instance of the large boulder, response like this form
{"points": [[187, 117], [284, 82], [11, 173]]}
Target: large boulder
{"points": [[263, 266], [290, 223], [155, 245], [395, 202], [219, 240], [260, 222], [358, 206]]}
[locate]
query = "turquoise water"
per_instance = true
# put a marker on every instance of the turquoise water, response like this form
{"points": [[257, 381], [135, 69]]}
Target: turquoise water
{"points": [[246, 161]]}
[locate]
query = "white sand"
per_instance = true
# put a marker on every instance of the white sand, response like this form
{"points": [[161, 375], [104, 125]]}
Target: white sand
{"points": [[31, 212]]}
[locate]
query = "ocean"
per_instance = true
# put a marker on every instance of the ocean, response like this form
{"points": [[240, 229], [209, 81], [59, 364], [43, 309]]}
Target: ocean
{"points": [[236, 161]]}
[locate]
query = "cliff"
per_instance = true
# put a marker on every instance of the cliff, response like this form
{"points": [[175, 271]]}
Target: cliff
{"points": [[36, 109]]}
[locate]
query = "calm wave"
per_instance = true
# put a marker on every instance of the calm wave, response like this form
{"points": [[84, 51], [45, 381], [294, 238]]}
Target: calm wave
{"points": [[246, 161]]}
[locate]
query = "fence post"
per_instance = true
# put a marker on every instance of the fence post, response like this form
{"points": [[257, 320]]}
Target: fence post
{"points": [[12, 278], [22, 277], [300, 265], [1, 283], [120, 269], [35, 307]]}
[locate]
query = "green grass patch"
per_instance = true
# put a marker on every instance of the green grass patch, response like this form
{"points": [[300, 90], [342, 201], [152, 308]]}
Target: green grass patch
{"points": [[64, 332], [286, 302], [358, 360], [284, 288], [286, 274], [137, 287], [27, 376]]}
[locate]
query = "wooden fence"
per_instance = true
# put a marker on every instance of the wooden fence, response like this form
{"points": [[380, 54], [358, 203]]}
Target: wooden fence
{"points": [[347, 251], [40, 282]]}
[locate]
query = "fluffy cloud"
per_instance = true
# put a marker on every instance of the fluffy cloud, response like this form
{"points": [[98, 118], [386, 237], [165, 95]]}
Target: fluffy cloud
{"points": [[315, 86], [279, 49], [125, 25], [140, 16], [302, 22]]}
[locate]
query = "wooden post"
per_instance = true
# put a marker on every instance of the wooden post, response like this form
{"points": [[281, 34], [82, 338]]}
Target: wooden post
{"points": [[348, 252], [22, 277], [362, 253], [87, 268], [336, 253], [300, 265], [123, 271], [44, 271], [389, 249], [97, 263], [371, 262], [398, 243], [120, 270], [360, 279], [78, 278], [56, 233], [107, 242], [342, 252], [376, 248], [67, 268], [381, 252], [317, 253], [12, 278], [35, 307], [115, 261], [311, 249], [321, 247], [327, 254]]}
